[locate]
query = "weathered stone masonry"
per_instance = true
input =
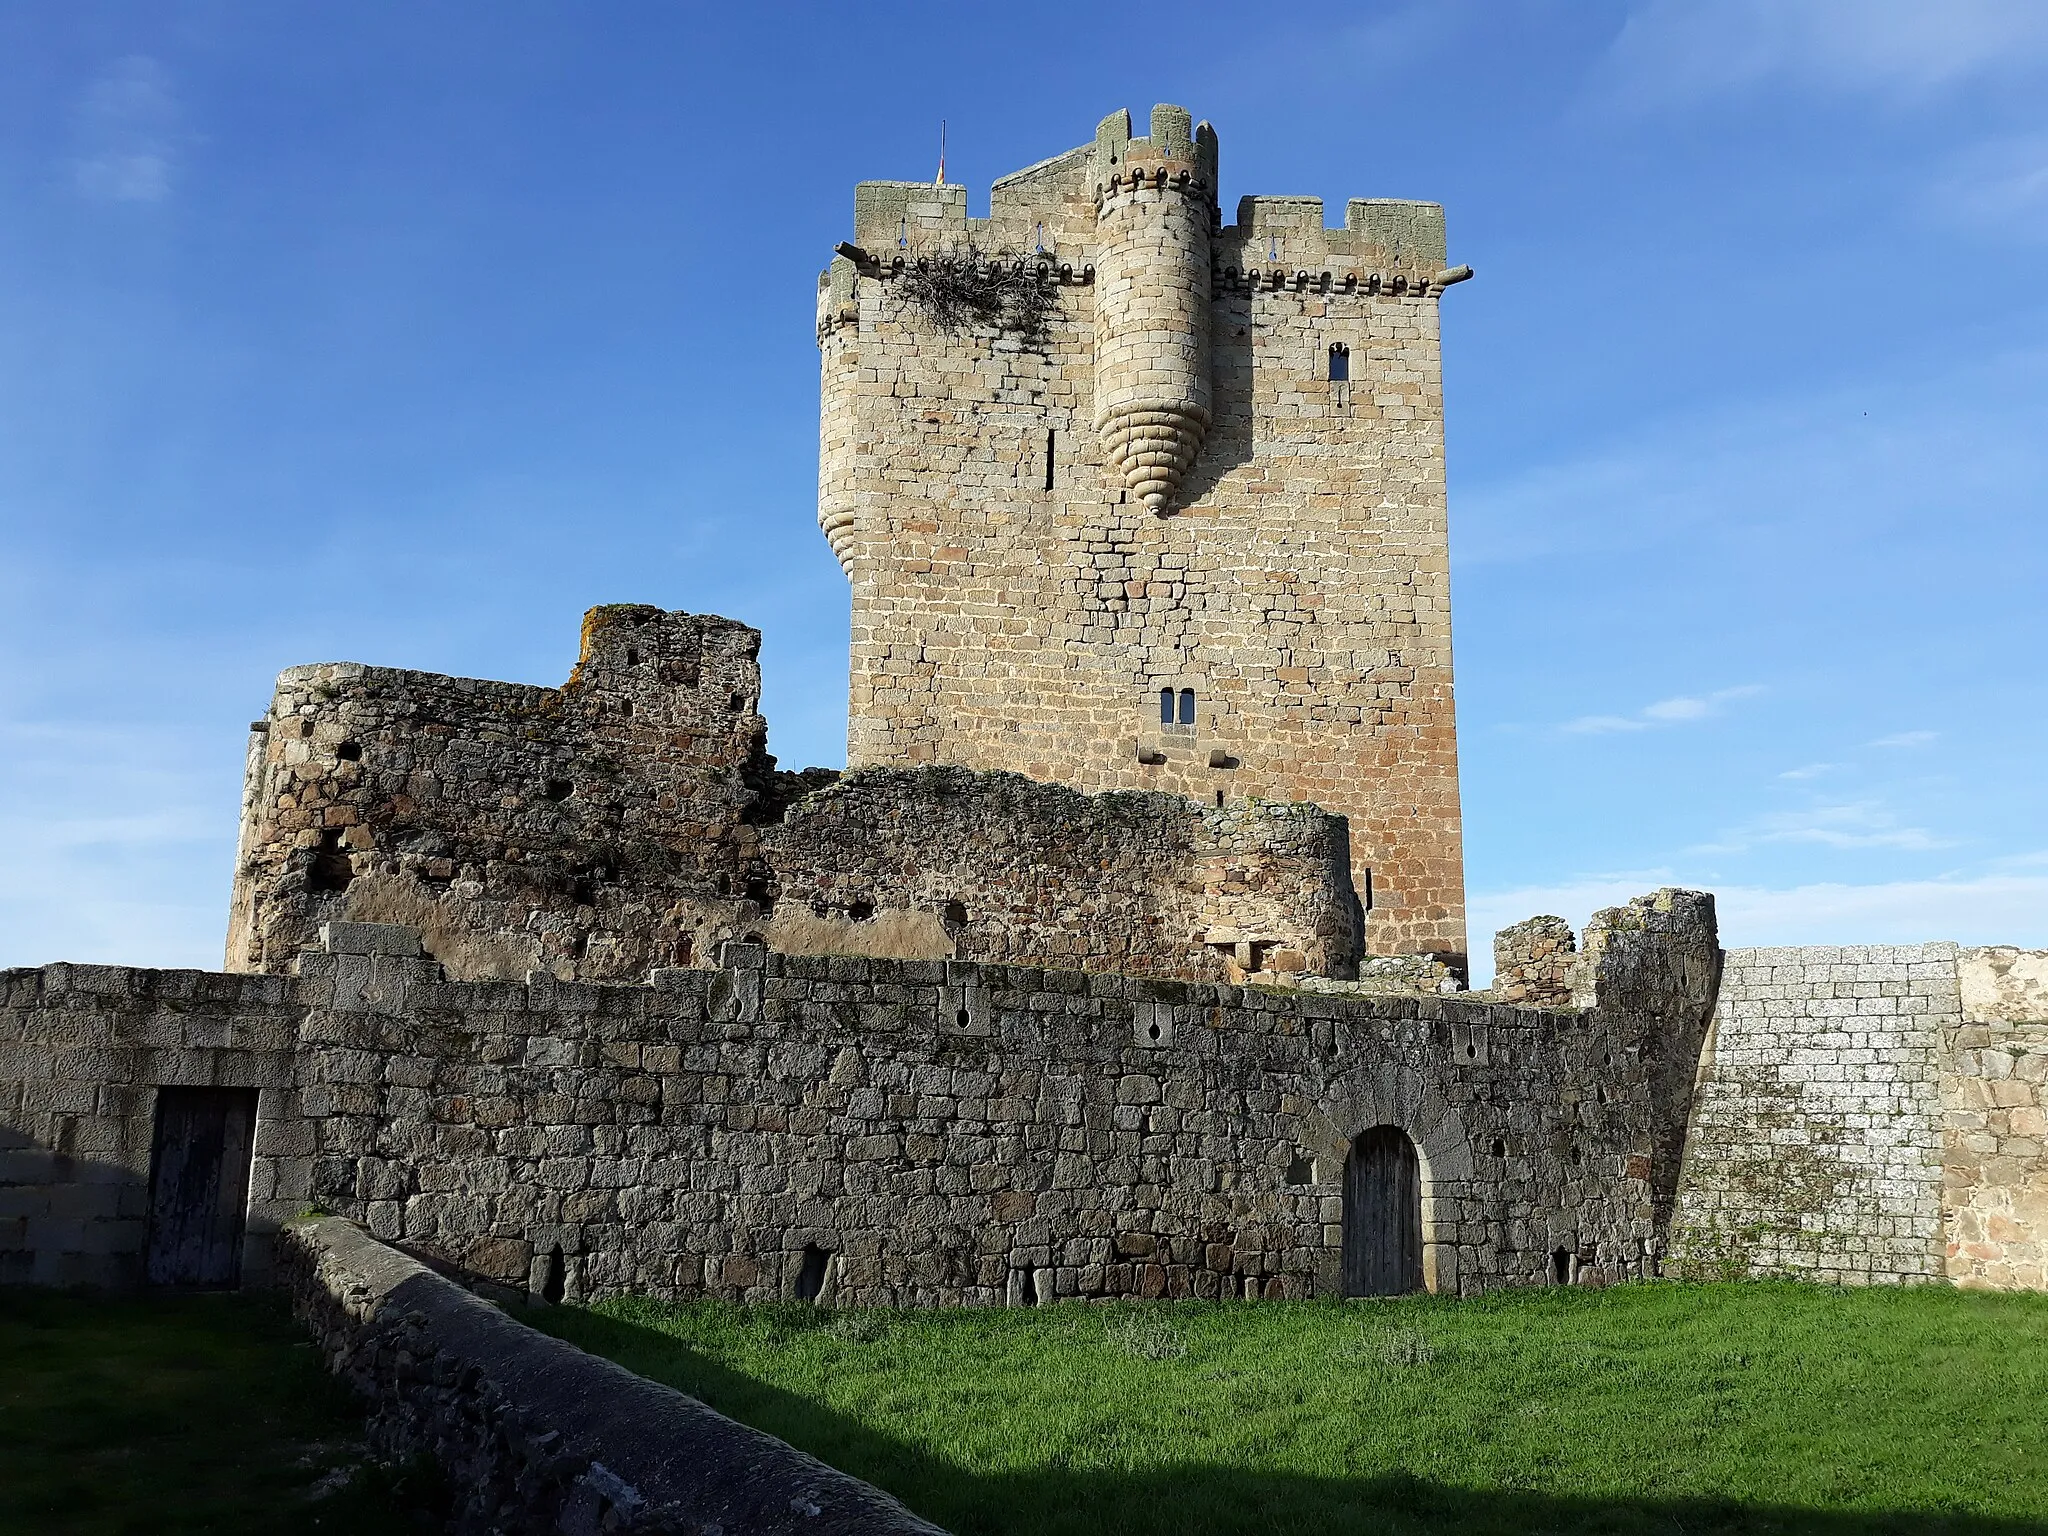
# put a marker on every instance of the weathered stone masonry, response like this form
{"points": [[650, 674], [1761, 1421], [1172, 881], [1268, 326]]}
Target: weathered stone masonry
{"points": [[913, 1132], [633, 819], [1165, 492], [535, 1435]]}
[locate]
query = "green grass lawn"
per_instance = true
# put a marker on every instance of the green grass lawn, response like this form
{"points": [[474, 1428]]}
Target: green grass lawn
{"points": [[183, 1414], [1682, 1409]]}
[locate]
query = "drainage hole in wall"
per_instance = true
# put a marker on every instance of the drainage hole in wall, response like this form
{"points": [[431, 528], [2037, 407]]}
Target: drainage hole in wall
{"points": [[1029, 1290], [954, 914], [554, 1284], [1301, 1171], [350, 752], [1561, 1267], [557, 789], [810, 1274], [632, 657], [861, 911], [1500, 1148]]}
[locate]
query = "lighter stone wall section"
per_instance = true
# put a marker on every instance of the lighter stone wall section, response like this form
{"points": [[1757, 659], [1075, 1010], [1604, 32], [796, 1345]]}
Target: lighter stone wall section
{"points": [[1994, 1094], [1816, 1137]]}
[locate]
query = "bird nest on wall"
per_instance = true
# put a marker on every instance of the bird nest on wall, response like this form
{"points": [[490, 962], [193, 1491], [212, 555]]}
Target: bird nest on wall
{"points": [[971, 288]]}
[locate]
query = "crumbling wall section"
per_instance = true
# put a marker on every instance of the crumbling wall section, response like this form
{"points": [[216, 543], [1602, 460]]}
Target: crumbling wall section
{"points": [[1534, 962], [593, 830], [946, 863]]}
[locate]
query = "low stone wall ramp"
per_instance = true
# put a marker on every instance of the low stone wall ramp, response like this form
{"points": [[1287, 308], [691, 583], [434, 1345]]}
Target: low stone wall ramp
{"points": [[537, 1437]]}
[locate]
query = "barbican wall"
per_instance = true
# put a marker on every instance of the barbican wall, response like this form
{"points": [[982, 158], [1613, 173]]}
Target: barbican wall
{"points": [[632, 819], [904, 1132], [1157, 486]]}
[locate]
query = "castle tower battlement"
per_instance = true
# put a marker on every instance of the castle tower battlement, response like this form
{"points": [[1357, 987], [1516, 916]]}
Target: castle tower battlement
{"points": [[1155, 207], [1178, 522]]}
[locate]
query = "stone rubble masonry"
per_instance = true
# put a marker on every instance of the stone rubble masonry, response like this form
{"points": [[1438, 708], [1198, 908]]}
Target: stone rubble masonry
{"points": [[632, 819], [595, 830], [1017, 604], [1533, 963], [912, 1132], [536, 1437], [1817, 1127], [942, 863], [1995, 1123]]}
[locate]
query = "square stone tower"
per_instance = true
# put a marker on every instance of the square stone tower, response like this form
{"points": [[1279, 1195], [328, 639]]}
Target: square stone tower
{"points": [[1131, 498]]}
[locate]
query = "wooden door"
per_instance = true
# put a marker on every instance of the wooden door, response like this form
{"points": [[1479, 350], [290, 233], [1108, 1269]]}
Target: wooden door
{"points": [[1382, 1215], [199, 1185]]}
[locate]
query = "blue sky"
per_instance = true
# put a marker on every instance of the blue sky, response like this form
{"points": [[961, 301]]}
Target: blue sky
{"points": [[402, 333]]}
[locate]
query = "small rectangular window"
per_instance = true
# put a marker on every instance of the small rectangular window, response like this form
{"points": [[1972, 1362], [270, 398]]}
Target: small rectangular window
{"points": [[1340, 363], [1049, 436], [1166, 706], [1187, 706]]}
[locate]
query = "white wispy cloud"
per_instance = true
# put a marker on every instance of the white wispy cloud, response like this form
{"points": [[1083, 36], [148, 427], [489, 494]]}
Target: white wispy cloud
{"points": [[1857, 824], [1907, 739], [1675, 52], [1809, 771], [127, 134], [1997, 907], [1674, 711]]}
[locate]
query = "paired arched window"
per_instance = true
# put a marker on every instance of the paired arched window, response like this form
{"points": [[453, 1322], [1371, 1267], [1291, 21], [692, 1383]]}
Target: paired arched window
{"points": [[1177, 708], [1340, 363]]}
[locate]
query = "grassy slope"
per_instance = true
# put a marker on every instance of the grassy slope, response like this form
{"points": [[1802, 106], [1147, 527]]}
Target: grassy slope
{"points": [[179, 1414], [1668, 1408]]}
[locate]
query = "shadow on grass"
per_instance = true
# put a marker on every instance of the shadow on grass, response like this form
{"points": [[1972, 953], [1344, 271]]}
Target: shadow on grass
{"points": [[186, 1415], [1183, 1499]]}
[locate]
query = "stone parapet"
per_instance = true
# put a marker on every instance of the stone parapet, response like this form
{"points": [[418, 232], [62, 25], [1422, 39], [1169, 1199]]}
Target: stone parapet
{"points": [[536, 1437], [881, 1132]]}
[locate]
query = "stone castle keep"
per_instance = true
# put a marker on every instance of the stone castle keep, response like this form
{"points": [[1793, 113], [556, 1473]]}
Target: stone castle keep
{"points": [[1190, 536], [1126, 958]]}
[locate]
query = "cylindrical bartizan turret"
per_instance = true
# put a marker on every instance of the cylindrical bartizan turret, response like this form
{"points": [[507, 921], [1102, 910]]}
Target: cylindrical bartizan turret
{"points": [[1155, 207]]}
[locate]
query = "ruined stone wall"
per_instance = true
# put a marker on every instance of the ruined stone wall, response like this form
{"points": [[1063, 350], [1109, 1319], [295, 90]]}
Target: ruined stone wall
{"points": [[633, 819], [940, 863], [1534, 962], [874, 1132], [1994, 1092], [1017, 606], [1817, 1129], [594, 830]]}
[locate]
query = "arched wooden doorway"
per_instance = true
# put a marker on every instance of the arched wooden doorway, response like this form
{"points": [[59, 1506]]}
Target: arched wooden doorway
{"points": [[1382, 1214]]}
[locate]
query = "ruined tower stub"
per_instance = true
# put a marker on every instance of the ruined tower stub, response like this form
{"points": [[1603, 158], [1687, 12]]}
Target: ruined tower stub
{"points": [[1183, 532]]}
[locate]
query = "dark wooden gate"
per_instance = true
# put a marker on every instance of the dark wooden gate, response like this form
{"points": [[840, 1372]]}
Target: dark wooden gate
{"points": [[1382, 1215], [199, 1185]]}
